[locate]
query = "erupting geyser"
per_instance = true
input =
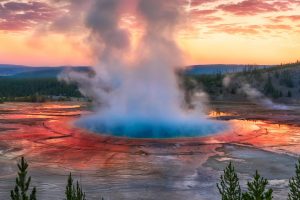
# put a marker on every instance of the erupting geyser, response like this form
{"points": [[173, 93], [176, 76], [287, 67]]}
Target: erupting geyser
{"points": [[137, 97]]}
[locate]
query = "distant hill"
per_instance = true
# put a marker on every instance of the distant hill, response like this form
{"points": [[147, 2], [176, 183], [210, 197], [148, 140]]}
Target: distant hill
{"points": [[221, 68], [21, 71], [9, 70], [280, 83]]}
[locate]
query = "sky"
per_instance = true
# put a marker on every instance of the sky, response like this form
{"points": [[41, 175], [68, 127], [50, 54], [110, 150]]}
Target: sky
{"points": [[53, 32]]}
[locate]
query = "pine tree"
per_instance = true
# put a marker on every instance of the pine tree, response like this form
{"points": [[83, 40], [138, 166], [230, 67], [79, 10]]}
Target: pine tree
{"points": [[229, 187], [257, 189], [72, 192], [22, 184], [294, 184], [69, 188]]}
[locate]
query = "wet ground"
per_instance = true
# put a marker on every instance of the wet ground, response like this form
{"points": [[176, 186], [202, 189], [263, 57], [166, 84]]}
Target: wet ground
{"points": [[120, 168]]}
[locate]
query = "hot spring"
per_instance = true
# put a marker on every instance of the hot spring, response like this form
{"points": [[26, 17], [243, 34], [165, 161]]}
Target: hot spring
{"points": [[146, 127], [138, 97]]}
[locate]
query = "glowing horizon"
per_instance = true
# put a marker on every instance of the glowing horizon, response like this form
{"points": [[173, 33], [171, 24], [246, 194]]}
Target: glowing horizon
{"points": [[44, 33]]}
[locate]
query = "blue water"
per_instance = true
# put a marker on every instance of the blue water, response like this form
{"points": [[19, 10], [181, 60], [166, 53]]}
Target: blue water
{"points": [[132, 127]]}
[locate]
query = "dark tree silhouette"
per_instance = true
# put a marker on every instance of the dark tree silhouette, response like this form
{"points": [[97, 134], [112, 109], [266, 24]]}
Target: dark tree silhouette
{"points": [[72, 192], [20, 191], [257, 189], [229, 186], [294, 184]]}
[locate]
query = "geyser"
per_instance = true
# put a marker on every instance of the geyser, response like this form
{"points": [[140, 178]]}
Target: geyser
{"points": [[137, 97]]}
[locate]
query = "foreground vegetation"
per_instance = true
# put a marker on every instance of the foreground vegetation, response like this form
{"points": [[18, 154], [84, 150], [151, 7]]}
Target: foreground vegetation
{"points": [[229, 186], [22, 191]]}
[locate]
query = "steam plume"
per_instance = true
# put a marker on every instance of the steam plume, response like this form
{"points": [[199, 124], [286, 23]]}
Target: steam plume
{"points": [[256, 96], [139, 98]]}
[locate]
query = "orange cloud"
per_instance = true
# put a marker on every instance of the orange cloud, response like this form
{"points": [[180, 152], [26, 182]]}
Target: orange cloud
{"points": [[289, 17], [235, 29]]}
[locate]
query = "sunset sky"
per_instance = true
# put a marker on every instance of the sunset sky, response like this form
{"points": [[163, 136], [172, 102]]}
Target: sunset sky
{"points": [[46, 32]]}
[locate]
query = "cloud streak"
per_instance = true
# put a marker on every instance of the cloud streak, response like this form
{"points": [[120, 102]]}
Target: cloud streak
{"points": [[19, 16], [254, 7]]}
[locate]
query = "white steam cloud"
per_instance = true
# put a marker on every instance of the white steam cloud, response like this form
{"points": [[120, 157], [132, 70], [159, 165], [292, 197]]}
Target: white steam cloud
{"points": [[226, 81], [140, 98], [256, 96]]}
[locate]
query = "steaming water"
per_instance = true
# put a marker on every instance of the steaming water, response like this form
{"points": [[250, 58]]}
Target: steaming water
{"points": [[141, 98], [147, 127]]}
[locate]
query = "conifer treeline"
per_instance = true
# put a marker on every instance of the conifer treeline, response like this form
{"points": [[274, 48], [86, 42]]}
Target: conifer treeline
{"points": [[257, 189], [12, 88]]}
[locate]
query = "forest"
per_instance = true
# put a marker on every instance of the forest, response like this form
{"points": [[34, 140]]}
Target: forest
{"points": [[280, 82], [36, 89]]}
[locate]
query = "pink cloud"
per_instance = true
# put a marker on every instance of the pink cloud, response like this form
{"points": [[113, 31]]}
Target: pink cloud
{"points": [[288, 17], [204, 16], [236, 29], [197, 12], [278, 26], [18, 16], [297, 2], [248, 29], [208, 19], [30, 6], [253, 7], [13, 26], [195, 3]]}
